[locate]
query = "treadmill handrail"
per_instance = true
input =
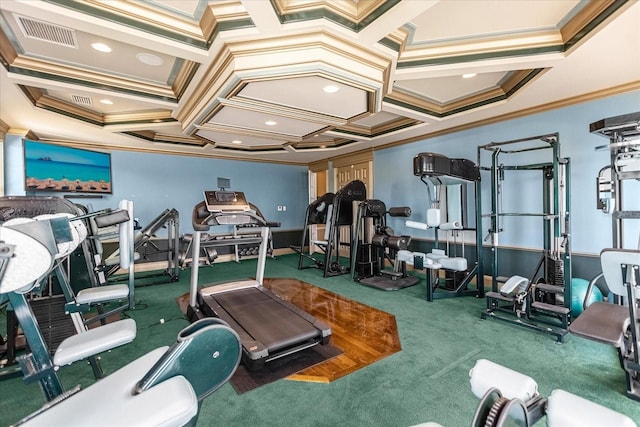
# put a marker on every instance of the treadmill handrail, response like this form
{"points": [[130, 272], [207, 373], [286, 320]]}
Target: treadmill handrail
{"points": [[203, 219]]}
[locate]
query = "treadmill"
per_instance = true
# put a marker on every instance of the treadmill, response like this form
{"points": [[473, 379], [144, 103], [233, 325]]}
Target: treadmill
{"points": [[269, 327]]}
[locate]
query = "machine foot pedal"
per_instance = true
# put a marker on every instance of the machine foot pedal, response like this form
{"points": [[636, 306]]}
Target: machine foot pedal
{"points": [[550, 288], [499, 296], [558, 309]]}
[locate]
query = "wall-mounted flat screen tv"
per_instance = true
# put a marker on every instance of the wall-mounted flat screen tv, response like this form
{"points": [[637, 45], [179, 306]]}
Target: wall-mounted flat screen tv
{"points": [[50, 167]]}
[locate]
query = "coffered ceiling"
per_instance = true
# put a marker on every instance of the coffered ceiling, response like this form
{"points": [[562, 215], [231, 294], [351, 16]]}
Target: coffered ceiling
{"points": [[298, 81]]}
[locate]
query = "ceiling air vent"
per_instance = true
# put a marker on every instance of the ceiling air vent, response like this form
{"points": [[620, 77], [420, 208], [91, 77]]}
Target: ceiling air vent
{"points": [[47, 32], [82, 100]]}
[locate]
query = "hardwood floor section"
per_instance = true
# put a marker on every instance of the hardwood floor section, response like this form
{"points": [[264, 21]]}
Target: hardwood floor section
{"points": [[364, 333]]}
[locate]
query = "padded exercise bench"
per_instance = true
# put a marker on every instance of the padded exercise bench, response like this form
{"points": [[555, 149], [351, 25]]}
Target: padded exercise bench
{"points": [[162, 388], [610, 322], [34, 246]]}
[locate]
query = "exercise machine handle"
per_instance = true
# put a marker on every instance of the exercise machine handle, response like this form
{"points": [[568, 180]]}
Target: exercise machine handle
{"points": [[404, 211]]}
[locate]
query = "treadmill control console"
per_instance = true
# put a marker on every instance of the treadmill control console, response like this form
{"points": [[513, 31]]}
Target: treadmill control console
{"points": [[221, 201]]}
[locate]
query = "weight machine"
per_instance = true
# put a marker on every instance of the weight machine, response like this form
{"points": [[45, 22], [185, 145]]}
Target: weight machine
{"points": [[624, 147], [374, 244], [164, 386], [91, 270], [542, 301], [450, 176], [38, 247], [612, 322], [336, 212], [319, 213], [118, 224], [145, 247], [60, 312]]}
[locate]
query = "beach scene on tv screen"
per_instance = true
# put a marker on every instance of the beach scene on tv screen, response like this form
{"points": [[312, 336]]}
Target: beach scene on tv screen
{"points": [[56, 168]]}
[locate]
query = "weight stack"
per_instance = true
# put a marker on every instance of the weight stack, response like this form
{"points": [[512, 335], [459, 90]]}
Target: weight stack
{"points": [[452, 279], [555, 271], [365, 264], [55, 325]]}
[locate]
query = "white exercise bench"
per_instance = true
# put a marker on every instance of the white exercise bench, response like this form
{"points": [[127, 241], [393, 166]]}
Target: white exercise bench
{"points": [[162, 388], [36, 248], [438, 260]]}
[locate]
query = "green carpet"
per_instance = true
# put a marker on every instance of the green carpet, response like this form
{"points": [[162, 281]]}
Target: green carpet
{"points": [[426, 381]]}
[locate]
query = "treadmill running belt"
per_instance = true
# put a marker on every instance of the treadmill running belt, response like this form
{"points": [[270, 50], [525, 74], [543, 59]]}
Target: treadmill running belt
{"points": [[266, 319]]}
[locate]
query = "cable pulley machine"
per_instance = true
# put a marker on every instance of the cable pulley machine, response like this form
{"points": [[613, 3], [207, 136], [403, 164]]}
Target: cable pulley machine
{"points": [[541, 301]]}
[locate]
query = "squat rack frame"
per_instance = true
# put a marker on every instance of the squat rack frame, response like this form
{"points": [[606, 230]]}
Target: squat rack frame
{"points": [[549, 318]]}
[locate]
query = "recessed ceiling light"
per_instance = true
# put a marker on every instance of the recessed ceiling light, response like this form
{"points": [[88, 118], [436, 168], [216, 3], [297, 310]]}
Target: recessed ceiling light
{"points": [[331, 88], [270, 123], [469, 75], [106, 101], [101, 47], [150, 59], [236, 141]]}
